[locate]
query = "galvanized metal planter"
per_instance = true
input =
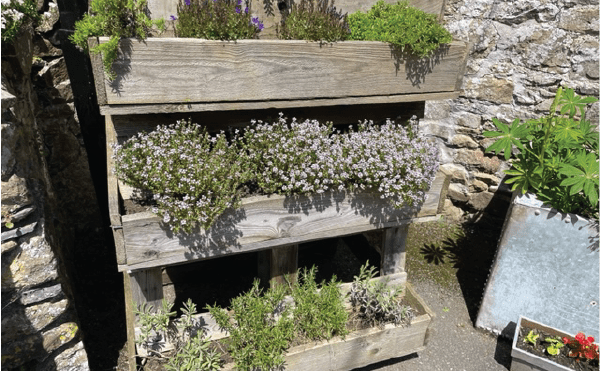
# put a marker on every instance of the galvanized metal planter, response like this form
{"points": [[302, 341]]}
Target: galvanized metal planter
{"points": [[546, 268]]}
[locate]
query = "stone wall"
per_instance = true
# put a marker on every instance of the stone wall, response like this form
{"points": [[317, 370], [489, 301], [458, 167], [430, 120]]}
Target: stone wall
{"points": [[521, 52], [40, 330]]}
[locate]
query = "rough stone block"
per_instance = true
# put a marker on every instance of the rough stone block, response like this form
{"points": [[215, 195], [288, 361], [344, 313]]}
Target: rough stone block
{"points": [[458, 192], [32, 263], [580, 19], [55, 72], [477, 159], [58, 336], [463, 141], [481, 200], [438, 129], [477, 186], [15, 194], [9, 143], [38, 295], [487, 178], [489, 88], [73, 359], [459, 173]]}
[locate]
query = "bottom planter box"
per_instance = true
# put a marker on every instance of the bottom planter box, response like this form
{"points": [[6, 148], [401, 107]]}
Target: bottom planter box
{"points": [[525, 361]]}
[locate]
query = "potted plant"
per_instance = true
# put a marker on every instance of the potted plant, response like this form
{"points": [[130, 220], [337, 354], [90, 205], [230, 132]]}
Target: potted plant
{"points": [[544, 244], [539, 347], [317, 326], [165, 74]]}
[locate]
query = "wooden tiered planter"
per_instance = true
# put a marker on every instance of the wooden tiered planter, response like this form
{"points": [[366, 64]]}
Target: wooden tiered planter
{"points": [[160, 79]]}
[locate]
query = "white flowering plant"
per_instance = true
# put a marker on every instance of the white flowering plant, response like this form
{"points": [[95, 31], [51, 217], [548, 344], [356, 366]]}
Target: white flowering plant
{"points": [[194, 176], [14, 14]]}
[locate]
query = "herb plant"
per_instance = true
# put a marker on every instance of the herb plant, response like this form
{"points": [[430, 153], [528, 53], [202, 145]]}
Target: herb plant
{"points": [[260, 329], [194, 176], [375, 302], [116, 19], [216, 20], [557, 157], [316, 20], [14, 14], [401, 25], [318, 313], [153, 323]]}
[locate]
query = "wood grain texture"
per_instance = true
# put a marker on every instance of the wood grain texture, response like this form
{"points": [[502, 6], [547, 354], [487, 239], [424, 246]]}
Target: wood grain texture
{"points": [[393, 254], [262, 222], [98, 72], [113, 191], [284, 265], [139, 109], [185, 71], [129, 322], [146, 287]]}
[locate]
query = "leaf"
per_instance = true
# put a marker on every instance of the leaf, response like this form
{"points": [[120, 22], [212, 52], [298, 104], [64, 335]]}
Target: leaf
{"points": [[9, 225], [570, 102], [508, 136]]}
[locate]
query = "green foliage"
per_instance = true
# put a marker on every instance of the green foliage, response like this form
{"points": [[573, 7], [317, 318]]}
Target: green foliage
{"points": [[14, 14], [401, 25], [260, 328], [531, 338], [557, 157], [555, 344], [195, 355], [316, 20], [116, 19], [216, 20], [375, 301], [153, 323], [318, 314]]}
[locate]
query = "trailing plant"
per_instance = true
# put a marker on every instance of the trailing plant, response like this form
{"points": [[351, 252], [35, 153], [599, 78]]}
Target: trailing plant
{"points": [[319, 312], [557, 155], [14, 14], [316, 20], [582, 347], [260, 328], [153, 324], [193, 176], [216, 20], [401, 25], [116, 19], [376, 302]]}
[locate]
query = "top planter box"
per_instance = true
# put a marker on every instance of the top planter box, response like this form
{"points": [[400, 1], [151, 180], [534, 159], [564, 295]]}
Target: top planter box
{"points": [[178, 74]]}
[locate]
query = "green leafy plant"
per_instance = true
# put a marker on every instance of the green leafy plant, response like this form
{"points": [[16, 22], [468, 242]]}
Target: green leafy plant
{"points": [[153, 324], [14, 14], [216, 20], [405, 27], [582, 347], [116, 19], [376, 302], [555, 344], [316, 20], [260, 328], [556, 156], [195, 355], [319, 312], [531, 338]]}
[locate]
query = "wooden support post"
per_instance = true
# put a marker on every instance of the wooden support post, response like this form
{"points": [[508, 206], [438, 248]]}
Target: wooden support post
{"points": [[264, 267], [284, 261], [393, 256], [146, 287], [130, 322]]}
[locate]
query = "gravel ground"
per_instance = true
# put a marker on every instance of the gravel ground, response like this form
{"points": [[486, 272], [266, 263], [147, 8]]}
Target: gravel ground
{"points": [[454, 345]]}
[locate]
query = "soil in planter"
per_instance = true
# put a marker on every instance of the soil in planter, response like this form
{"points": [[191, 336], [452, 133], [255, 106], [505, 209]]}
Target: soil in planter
{"points": [[539, 349]]}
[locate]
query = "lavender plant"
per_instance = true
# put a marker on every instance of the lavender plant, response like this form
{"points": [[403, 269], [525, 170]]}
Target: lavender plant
{"points": [[315, 20], [216, 20], [194, 176]]}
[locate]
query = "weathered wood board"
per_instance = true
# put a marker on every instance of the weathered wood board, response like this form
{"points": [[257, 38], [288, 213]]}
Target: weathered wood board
{"points": [[268, 221], [187, 71]]}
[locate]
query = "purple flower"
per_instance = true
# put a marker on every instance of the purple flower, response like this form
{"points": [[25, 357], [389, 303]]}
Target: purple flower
{"points": [[238, 10], [239, 2], [260, 26], [173, 18], [246, 10], [188, 2]]}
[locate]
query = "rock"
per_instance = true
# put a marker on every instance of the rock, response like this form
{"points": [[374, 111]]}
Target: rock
{"points": [[477, 186], [37, 295], [477, 159], [23, 321], [63, 91], [8, 246], [18, 232], [44, 48], [8, 100], [458, 173], [481, 200], [463, 141], [580, 19], [31, 264], [452, 213], [9, 143], [58, 336], [15, 194], [489, 88], [458, 192], [438, 129], [19, 215], [21, 351], [591, 69], [55, 72], [487, 178], [467, 119], [72, 359]]}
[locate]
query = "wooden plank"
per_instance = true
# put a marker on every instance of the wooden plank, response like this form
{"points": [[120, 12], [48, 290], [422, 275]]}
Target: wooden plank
{"points": [[284, 265], [393, 256], [98, 72], [434, 204], [195, 70], [262, 222], [113, 192], [263, 261], [129, 322], [146, 287], [138, 109]]}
